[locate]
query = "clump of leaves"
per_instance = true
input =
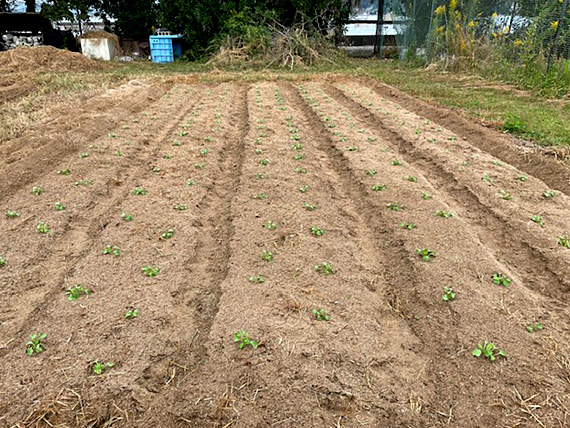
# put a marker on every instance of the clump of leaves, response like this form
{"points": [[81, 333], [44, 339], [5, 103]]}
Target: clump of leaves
{"points": [[181, 207], [444, 214], [370, 172], [64, 172], [304, 188], [168, 234], [190, 182], [448, 294], [260, 196], [132, 313], [204, 152], [140, 191], [256, 279], [538, 220], [564, 241], [267, 255], [535, 327], [76, 292], [263, 161], [425, 253], [325, 268], [58, 206], [12, 214], [270, 225], [259, 176], [244, 339], [300, 170], [378, 187], [43, 227], [352, 148], [199, 165], [176, 143], [299, 156], [36, 190], [83, 155], [411, 178], [99, 367], [488, 350], [522, 178], [297, 146], [321, 315], [316, 231], [112, 250], [486, 178], [426, 197], [2, 261], [127, 217], [501, 279], [503, 194], [84, 182], [36, 344], [549, 194], [396, 162], [150, 271], [310, 207], [408, 225], [394, 206]]}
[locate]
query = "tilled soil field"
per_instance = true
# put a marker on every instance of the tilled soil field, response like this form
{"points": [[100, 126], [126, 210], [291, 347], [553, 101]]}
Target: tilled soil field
{"points": [[360, 244]]}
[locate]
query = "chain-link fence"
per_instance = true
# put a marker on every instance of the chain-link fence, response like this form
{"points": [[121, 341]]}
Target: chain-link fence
{"points": [[526, 41]]}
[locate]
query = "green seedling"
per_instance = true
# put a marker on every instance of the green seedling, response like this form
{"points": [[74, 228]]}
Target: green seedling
{"points": [[259, 176], [352, 149], [321, 315], [444, 214], [411, 178], [538, 220], [500, 279], [549, 194], [99, 368], [176, 143], [503, 194], [418, 132], [260, 196], [2, 261], [37, 190], [36, 344], [204, 152], [83, 155], [535, 327], [448, 294], [300, 170], [111, 135], [425, 253], [371, 139], [299, 157], [168, 234], [564, 241], [325, 268], [378, 187], [127, 217], [12, 214], [167, 157], [182, 133], [488, 350], [304, 188], [394, 206], [464, 163], [118, 153], [310, 207], [263, 161], [426, 197], [181, 207], [258, 151], [486, 178], [125, 126], [258, 141], [297, 146], [132, 313], [262, 134], [522, 178], [208, 139], [199, 165], [270, 225], [43, 227], [267, 256], [316, 231], [408, 225], [190, 182], [370, 172], [112, 250], [244, 339], [396, 162], [84, 182], [64, 172], [256, 279], [76, 292], [150, 271]]}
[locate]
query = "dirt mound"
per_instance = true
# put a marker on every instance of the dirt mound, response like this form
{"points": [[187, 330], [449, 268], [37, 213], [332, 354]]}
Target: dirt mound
{"points": [[44, 58]]}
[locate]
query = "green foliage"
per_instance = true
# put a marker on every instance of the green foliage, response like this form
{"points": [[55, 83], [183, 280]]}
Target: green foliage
{"points": [[425, 253], [127, 217], [396, 162], [325, 268], [316, 231], [36, 344], [167, 234], [486, 178], [112, 250], [488, 350], [448, 294], [58, 206], [535, 327], [426, 197], [83, 155], [84, 182], [500, 279], [140, 191], [2, 261], [378, 187], [180, 207], [321, 315], [370, 172], [76, 292], [538, 220], [256, 279], [260, 196], [444, 214], [548, 194], [310, 207], [503, 194], [100, 367], [132, 313], [43, 227], [304, 188], [64, 172], [267, 255], [37, 190], [263, 161], [564, 241], [394, 206], [300, 170], [150, 271], [12, 214], [522, 178], [411, 178], [270, 225], [244, 339], [408, 225]]}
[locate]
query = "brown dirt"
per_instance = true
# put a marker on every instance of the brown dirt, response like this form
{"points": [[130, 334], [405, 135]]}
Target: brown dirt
{"points": [[40, 59], [394, 354]]}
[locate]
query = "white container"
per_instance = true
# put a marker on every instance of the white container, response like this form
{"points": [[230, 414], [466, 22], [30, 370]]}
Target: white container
{"points": [[98, 48]]}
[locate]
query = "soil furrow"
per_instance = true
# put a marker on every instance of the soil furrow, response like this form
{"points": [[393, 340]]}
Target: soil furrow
{"points": [[493, 231]]}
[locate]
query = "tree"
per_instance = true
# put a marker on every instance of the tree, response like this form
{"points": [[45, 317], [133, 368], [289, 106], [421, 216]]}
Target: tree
{"points": [[134, 19], [75, 10]]}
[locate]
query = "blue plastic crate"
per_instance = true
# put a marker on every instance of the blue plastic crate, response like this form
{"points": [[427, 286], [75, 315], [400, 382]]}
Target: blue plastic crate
{"points": [[165, 48]]}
